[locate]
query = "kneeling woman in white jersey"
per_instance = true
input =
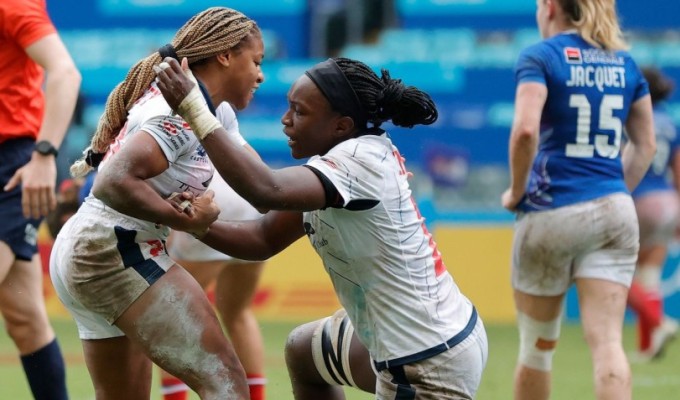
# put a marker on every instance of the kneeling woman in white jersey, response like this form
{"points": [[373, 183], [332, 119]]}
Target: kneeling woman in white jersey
{"points": [[353, 201]]}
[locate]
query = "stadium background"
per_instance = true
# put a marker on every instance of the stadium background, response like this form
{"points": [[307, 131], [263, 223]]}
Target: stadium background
{"points": [[462, 52]]}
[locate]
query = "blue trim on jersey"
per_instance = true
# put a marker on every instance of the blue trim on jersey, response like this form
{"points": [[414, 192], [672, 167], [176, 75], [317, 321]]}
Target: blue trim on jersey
{"points": [[590, 92], [432, 351], [667, 144], [404, 389], [132, 256]]}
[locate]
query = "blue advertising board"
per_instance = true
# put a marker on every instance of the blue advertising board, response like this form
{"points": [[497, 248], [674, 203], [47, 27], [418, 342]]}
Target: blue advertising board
{"points": [[186, 7]]}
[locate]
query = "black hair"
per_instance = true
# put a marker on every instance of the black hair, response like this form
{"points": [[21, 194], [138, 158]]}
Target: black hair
{"points": [[387, 99], [660, 86], [56, 219]]}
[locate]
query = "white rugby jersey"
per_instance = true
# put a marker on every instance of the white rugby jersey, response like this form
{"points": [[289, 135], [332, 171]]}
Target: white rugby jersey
{"points": [[383, 262], [189, 168], [232, 206]]}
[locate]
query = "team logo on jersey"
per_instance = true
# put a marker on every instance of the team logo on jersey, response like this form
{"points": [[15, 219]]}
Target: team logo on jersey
{"points": [[573, 55], [171, 126], [330, 162]]}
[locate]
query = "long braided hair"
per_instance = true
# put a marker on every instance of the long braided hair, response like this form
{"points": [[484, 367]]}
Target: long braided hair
{"points": [[387, 99], [206, 34]]}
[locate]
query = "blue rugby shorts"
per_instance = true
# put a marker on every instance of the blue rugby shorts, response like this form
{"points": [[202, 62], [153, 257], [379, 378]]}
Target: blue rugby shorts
{"points": [[18, 232]]}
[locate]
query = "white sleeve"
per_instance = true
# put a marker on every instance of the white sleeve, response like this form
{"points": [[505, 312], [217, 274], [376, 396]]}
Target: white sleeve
{"points": [[352, 177], [172, 134], [227, 117]]}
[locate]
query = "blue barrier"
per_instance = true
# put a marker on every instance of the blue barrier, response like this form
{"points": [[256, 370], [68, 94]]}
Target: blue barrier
{"points": [[287, 18], [457, 7], [156, 8], [506, 14]]}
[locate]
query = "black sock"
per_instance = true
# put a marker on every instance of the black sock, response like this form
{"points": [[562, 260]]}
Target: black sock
{"points": [[46, 373]]}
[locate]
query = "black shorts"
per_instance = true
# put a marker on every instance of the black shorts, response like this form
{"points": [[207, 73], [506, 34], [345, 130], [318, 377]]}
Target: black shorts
{"points": [[18, 232]]}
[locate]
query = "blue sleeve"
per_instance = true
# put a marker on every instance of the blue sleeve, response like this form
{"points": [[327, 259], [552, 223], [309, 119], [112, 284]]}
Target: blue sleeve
{"points": [[675, 144], [642, 87], [530, 66]]}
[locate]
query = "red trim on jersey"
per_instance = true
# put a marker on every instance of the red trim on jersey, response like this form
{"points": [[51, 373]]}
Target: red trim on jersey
{"points": [[439, 267]]}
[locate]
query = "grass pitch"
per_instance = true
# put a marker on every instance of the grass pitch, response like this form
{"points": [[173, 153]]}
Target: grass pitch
{"points": [[572, 369]]}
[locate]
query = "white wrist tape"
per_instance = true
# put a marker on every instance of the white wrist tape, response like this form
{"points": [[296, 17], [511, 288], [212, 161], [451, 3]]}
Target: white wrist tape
{"points": [[195, 112]]}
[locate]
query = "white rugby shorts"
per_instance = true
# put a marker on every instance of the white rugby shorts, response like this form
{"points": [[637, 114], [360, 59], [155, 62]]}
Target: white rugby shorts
{"points": [[99, 266], [594, 239]]}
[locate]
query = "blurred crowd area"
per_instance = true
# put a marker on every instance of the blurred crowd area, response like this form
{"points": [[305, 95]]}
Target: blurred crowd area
{"points": [[461, 52]]}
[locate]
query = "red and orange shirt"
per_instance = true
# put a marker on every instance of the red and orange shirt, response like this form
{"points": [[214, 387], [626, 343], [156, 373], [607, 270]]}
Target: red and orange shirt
{"points": [[22, 103]]}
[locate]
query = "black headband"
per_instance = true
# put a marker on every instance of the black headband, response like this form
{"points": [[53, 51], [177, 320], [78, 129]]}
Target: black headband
{"points": [[334, 85], [168, 50]]}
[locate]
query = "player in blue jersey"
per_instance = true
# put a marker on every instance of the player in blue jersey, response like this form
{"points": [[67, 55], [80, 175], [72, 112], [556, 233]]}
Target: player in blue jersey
{"points": [[658, 209], [570, 181]]}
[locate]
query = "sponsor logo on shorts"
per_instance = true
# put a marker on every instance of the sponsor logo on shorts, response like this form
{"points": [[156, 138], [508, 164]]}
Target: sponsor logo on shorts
{"points": [[31, 235]]}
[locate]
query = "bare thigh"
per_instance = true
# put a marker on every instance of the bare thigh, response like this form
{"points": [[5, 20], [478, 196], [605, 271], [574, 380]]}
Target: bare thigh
{"points": [[177, 328], [205, 272], [236, 287], [234, 282], [22, 302], [119, 369], [602, 306], [658, 216]]}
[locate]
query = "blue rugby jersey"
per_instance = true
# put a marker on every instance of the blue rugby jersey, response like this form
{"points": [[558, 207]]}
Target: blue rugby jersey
{"points": [[667, 143], [590, 91]]}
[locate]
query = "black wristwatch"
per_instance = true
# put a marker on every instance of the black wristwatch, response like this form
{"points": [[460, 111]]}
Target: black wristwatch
{"points": [[46, 148]]}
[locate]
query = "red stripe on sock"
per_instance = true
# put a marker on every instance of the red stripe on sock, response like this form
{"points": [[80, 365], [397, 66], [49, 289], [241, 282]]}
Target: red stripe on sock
{"points": [[256, 384], [180, 391]]}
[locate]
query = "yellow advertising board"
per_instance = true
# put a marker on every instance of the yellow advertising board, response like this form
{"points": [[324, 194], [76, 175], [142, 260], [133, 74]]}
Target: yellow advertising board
{"points": [[295, 286]]}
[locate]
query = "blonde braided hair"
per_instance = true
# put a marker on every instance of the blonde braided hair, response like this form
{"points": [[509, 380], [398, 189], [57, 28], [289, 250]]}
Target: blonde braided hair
{"points": [[206, 34]]}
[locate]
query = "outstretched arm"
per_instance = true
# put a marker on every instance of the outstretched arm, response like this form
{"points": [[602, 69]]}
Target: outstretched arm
{"points": [[293, 188], [257, 239]]}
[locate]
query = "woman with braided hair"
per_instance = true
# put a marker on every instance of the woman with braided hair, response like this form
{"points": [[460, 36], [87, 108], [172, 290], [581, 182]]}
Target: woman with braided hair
{"points": [[132, 303], [403, 314]]}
